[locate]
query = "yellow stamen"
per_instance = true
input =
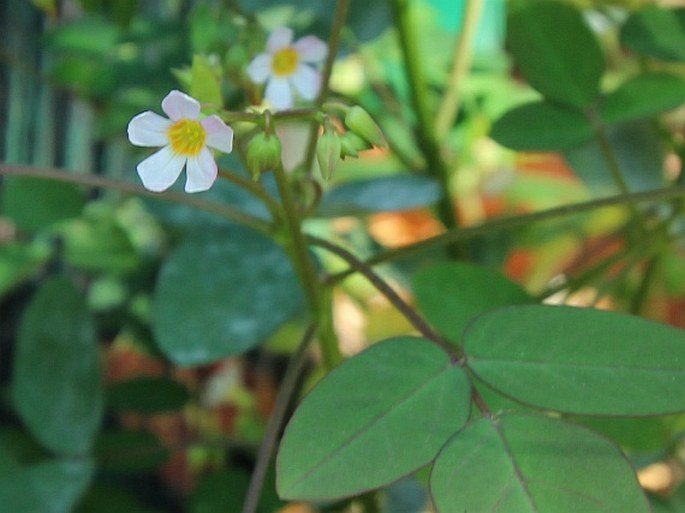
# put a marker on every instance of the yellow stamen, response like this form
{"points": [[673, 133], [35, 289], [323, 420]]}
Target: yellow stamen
{"points": [[187, 137], [285, 62]]}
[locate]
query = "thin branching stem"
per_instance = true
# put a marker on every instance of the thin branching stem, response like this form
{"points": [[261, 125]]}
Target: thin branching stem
{"points": [[426, 137], [507, 223], [285, 397], [88, 180], [382, 286]]}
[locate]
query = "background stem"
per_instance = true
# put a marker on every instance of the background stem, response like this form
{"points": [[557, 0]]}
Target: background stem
{"points": [[426, 138]]}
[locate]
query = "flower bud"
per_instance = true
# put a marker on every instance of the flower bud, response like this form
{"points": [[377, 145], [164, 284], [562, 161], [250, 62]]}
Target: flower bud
{"points": [[362, 124], [351, 144], [263, 154], [328, 149]]}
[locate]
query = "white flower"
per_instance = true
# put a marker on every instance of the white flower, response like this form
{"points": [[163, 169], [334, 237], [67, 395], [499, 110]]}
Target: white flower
{"points": [[286, 66], [186, 141]]}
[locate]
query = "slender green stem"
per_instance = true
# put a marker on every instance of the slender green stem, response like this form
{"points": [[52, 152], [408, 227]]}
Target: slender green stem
{"points": [[298, 246], [449, 107], [342, 7], [87, 180], [257, 117], [412, 316], [506, 223], [303, 263], [426, 137], [285, 398], [610, 158]]}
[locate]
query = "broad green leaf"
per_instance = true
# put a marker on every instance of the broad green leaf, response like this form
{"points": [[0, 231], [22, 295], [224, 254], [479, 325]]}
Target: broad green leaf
{"points": [[205, 83], [221, 292], [148, 395], [451, 294], [379, 416], [579, 360], [657, 32], [635, 434], [542, 126], [533, 464], [643, 96], [389, 193], [556, 51], [47, 487], [638, 148], [98, 244], [56, 387], [33, 203]]}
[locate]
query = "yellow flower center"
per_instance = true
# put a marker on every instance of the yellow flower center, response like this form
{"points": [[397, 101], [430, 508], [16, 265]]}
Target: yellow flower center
{"points": [[285, 62], [187, 137]]}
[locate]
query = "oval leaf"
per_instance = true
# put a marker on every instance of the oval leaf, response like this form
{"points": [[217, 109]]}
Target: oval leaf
{"points": [[533, 464], [451, 294], [351, 433], [47, 487], [541, 126], [580, 360], [556, 51], [57, 387], [657, 32], [643, 96], [221, 292], [388, 193], [34, 203]]}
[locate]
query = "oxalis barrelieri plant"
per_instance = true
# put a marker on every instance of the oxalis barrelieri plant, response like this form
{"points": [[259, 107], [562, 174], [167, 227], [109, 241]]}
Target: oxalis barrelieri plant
{"points": [[497, 398]]}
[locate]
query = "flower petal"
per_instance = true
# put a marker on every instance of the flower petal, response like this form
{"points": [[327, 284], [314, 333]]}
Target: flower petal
{"points": [[219, 134], [311, 49], [260, 68], [307, 81], [159, 171], [279, 38], [279, 94], [178, 105], [201, 172], [148, 129]]}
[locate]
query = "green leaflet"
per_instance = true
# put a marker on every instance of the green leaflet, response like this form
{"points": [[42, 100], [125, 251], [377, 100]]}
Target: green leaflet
{"points": [[542, 126], [221, 292], [556, 51], [58, 358], [533, 464], [450, 294], [379, 416], [579, 360]]}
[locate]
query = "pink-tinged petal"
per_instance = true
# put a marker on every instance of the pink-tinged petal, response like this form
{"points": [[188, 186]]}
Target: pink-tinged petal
{"points": [[159, 171], [307, 81], [201, 172], [219, 134], [260, 68], [279, 38], [178, 105], [148, 129], [311, 49], [279, 94]]}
